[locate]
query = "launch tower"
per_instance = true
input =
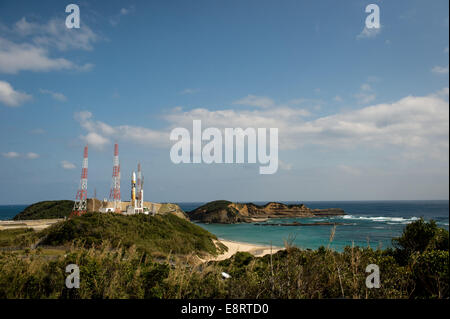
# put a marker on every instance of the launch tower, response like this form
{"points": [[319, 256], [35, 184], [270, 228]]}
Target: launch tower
{"points": [[80, 206], [114, 195]]}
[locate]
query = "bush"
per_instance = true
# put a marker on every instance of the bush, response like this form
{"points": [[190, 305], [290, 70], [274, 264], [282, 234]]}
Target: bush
{"points": [[420, 236], [431, 274]]}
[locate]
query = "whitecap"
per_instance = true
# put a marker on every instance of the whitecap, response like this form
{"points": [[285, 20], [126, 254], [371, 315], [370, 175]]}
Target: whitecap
{"points": [[381, 218]]}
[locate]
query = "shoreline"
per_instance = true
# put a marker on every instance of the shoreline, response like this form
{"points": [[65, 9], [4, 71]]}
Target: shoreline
{"points": [[256, 250]]}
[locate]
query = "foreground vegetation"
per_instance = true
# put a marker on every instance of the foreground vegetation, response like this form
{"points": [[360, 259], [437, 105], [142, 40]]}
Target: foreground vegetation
{"points": [[416, 267]]}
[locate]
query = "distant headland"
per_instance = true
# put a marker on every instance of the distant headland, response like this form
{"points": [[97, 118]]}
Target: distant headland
{"points": [[226, 212]]}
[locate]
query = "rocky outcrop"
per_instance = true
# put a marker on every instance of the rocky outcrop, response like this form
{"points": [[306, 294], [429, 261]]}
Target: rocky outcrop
{"points": [[222, 212], [169, 208], [226, 212]]}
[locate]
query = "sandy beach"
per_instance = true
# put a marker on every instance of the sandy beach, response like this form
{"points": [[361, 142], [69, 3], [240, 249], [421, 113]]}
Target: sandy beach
{"points": [[254, 249]]}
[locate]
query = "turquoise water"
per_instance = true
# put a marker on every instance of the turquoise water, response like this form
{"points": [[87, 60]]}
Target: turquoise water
{"points": [[374, 223]]}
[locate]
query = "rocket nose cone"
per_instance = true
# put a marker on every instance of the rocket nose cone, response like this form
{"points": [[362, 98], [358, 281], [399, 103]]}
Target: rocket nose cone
{"points": [[134, 176]]}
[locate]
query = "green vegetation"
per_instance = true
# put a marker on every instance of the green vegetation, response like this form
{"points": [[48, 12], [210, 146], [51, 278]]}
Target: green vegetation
{"points": [[151, 234], [19, 237], [113, 267], [46, 209], [214, 205], [420, 237], [106, 273]]}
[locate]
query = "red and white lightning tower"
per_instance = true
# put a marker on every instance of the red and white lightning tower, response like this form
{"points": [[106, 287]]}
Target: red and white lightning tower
{"points": [[114, 195], [80, 206]]}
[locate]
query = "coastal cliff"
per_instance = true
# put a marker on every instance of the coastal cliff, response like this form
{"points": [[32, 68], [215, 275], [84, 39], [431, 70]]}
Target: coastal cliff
{"points": [[226, 212]]}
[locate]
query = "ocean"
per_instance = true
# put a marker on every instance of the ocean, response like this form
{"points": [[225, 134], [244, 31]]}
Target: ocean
{"points": [[372, 223]]}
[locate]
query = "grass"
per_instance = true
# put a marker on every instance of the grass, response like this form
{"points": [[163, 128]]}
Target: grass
{"points": [[18, 237]]}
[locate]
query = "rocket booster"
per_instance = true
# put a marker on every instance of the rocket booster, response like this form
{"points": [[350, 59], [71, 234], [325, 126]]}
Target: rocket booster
{"points": [[133, 188]]}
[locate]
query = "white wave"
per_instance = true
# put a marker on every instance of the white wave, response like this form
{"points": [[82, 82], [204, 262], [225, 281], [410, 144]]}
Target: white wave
{"points": [[381, 218]]}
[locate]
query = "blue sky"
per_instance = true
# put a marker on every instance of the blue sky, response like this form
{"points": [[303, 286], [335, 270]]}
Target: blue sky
{"points": [[360, 116]]}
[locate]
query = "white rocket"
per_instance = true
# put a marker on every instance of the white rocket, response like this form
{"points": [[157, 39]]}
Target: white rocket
{"points": [[133, 189]]}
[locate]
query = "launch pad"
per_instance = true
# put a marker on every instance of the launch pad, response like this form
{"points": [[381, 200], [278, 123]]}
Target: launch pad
{"points": [[136, 205]]}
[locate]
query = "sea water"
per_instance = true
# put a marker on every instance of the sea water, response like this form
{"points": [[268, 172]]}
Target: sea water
{"points": [[372, 223]]}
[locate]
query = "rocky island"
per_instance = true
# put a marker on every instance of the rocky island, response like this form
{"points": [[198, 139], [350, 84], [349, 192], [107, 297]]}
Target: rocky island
{"points": [[226, 212]]}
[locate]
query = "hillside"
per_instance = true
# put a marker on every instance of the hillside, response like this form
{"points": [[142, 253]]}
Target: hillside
{"points": [[226, 212], [161, 234], [46, 210], [63, 208]]}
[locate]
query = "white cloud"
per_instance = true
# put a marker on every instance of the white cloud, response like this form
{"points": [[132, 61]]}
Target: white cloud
{"points": [[364, 98], [253, 100], [337, 98], [122, 12], [443, 93], [28, 57], [55, 95], [99, 132], [11, 97], [275, 117], [67, 165], [83, 116], [414, 125], [419, 123], [440, 69], [54, 33], [31, 155], [368, 33], [11, 155], [96, 140], [33, 42]]}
